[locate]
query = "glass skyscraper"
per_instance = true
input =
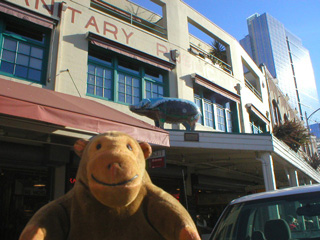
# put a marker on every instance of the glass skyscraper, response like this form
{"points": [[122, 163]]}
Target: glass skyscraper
{"points": [[270, 43], [315, 129]]}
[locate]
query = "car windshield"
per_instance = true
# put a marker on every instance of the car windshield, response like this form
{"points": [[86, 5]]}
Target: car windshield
{"points": [[287, 217]]}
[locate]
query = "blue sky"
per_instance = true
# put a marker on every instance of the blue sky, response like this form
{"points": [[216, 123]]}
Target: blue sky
{"points": [[301, 17]]}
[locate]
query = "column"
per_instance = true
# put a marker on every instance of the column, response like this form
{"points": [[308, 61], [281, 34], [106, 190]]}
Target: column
{"points": [[293, 176], [268, 171], [59, 181]]}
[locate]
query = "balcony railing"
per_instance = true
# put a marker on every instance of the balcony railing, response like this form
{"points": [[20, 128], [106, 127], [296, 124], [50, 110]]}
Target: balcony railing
{"points": [[129, 17], [253, 89], [206, 55]]}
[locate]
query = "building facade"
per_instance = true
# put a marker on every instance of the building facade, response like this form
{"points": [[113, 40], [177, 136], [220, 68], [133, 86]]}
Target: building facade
{"points": [[71, 69], [315, 129], [270, 43]]}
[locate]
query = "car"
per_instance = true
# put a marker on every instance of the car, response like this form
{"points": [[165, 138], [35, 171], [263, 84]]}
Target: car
{"points": [[291, 213]]}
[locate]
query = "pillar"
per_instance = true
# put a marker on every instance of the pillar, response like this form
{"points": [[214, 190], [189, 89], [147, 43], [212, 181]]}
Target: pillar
{"points": [[268, 171], [293, 178], [59, 181]]}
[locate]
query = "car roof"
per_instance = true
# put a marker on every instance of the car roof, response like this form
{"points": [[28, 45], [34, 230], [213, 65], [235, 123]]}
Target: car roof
{"points": [[278, 193]]}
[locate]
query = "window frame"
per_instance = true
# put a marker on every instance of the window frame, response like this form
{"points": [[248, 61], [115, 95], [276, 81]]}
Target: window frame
{"points": [[221, 119], [96, 64], [211, 116], [117, 71], [201, 102], [6, 20]]}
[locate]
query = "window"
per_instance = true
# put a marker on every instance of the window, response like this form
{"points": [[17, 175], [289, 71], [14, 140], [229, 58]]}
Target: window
{"points": [[208, 113], [128, 89], [118, 78], [293, 213], [198, 102], [99, 81], [229, 120], [257, 125], [221, 118], [252, 80], [154, 84], [24, 50], [216, 113], [276, 113], [256, 129]]}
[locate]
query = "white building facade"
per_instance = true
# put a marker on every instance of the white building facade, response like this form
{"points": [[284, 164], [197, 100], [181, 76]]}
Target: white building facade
{"points": [[91, 53]]}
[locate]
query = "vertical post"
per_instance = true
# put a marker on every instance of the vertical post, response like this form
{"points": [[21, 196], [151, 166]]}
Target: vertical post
{"points": [[185, 190], [309, 134], [268, 171], [293, 176], [59, 181]]}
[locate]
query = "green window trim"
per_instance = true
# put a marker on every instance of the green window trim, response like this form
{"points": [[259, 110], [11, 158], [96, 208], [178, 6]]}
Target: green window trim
{"points": [[214, 115], [208, 114], [22, 54], [221, 118], [129, 82]]}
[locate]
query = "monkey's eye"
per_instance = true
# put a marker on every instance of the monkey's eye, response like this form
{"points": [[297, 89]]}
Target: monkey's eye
{"points": [[129, 147], [98, 146]]}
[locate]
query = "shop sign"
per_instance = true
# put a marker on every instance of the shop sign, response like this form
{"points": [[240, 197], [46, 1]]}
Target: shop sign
{"points": [[157, 159], [93, 23]]}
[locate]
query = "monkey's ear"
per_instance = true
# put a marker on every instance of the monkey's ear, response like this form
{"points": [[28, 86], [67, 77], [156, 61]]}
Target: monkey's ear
{"points": [[146, 149], [79, 146]]}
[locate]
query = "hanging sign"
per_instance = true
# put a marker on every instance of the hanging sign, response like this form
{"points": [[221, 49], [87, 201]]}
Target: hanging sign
{"points": [[157, 159]]}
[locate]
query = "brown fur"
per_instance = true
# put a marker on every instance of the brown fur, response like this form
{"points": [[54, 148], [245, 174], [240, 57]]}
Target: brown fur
{"points": [[130, 208]]}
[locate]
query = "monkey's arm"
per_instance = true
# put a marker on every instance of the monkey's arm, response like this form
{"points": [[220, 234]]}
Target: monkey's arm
{"points": [[49, 223], [169, 217]]}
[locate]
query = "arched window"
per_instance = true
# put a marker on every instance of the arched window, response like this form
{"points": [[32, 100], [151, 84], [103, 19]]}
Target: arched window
{"points": [[276, 112]]}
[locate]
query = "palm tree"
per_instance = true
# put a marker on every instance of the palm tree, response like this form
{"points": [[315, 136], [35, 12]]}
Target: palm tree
{"points": [[218, 50]]}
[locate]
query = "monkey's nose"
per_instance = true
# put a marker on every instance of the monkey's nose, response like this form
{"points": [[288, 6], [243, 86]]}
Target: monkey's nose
{"points": [[114, 165]]}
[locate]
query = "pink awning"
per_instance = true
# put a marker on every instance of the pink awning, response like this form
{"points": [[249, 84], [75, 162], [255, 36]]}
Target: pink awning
{"points": [[216, 88], [129, 52], [26, 15], [255, 110], [21, 100]]}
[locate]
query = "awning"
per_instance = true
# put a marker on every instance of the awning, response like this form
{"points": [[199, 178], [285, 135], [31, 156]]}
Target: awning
{"points": [[21, 100], [129, 52], [26, 15], [216, 88], [251, 107]]}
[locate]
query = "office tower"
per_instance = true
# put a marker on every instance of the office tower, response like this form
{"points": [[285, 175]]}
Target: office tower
{"points": [[270, 43], [315, 129]]}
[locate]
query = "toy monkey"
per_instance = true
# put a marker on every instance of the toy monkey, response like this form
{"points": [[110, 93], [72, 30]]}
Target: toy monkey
{"points": [[113, 198]]}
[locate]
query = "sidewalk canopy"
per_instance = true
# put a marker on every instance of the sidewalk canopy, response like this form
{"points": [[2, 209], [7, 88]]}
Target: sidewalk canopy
{"points": [[21, 100]]}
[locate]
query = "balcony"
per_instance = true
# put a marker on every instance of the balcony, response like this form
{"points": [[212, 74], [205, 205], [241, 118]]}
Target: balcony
{"points": [[151, 24], [202, 49], [253, 89]]}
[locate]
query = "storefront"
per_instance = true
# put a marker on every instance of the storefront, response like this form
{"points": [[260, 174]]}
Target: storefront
{"points": [[38, 128]]}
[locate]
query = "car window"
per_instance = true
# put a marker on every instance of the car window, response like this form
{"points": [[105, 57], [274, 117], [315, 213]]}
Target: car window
{"points": [[287, 217]]}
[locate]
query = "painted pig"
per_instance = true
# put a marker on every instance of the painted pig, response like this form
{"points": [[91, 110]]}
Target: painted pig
{"points": [[170, 110]]}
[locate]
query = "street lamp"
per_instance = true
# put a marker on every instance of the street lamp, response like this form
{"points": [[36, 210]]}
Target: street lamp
{"points": [[307, 118]]}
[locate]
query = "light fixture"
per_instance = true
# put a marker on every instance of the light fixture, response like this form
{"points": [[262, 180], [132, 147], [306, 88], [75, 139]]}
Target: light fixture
{"points": [[64, 5], [174, 54], [39, 183]]}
